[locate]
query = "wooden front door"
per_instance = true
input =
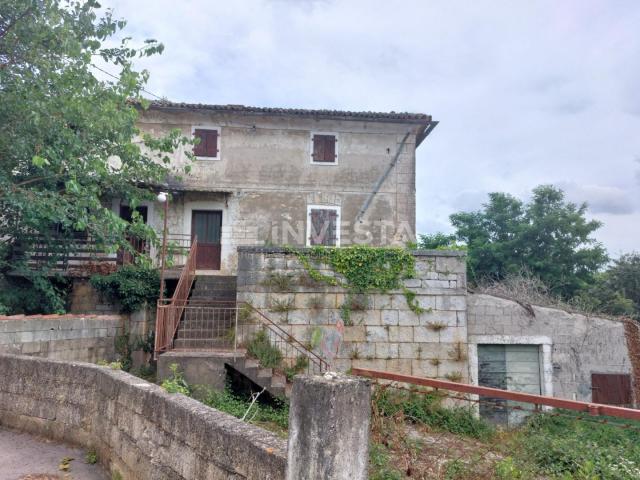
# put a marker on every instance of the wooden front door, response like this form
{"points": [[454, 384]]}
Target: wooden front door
{"points": [[612, 389], [206, 225]]}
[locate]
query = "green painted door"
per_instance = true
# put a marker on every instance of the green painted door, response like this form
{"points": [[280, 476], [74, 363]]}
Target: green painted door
{"points": [[509, 367]]}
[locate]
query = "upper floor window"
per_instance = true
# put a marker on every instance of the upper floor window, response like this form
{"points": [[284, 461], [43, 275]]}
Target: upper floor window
{"points": [[323, 225], [324, 149], [209, 146]]}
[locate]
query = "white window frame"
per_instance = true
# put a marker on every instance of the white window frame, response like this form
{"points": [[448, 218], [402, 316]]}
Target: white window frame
{"points": [[311, 160], [208, 127], [323, 207]]}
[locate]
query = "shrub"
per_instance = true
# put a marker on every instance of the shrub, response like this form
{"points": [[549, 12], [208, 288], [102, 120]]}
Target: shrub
{"points": [[34, 294], [426, 408], [132, 286], [227, 402], [260, 347], [176, 383], [301, 365]]}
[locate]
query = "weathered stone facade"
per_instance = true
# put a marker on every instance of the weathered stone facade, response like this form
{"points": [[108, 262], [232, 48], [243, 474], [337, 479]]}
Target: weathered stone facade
{"points": [[387, 335], [263, 180]]}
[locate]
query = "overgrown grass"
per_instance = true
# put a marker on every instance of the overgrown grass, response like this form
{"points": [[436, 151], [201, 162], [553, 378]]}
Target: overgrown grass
{"points": [[427, 408], [260, 347], [566, 447], [272, 418]]}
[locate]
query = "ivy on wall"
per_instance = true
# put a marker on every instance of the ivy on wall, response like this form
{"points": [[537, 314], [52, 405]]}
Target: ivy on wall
{"points": [[361, 269]]}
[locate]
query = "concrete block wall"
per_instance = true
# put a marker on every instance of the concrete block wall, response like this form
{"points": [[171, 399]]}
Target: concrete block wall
{"points": [[387, 335], [136, 428], [87, 338], [573, 346]]}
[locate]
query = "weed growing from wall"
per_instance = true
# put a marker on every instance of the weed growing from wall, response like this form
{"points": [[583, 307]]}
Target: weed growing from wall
{"points": [[362, 269]]}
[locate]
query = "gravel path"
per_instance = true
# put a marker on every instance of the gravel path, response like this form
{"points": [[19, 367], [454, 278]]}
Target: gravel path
{"points": [[25, 457]]}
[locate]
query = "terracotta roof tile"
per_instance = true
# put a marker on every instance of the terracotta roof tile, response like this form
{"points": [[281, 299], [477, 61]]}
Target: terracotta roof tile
{"points": [[302, 112]]}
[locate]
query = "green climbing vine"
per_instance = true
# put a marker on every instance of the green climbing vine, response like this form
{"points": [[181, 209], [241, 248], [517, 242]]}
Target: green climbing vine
{"points": [[361, 269]]}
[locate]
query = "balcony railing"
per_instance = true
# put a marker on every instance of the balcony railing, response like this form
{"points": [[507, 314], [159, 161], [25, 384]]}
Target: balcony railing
{"points": [[84, 255]]}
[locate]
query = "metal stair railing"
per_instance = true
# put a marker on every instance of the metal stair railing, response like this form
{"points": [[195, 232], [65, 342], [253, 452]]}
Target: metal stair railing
{"points": [[220, 324], [168, 315]]}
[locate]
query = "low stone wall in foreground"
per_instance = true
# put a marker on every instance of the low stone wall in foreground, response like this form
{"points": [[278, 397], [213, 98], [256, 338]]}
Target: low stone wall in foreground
{"points": [[136, 428]]}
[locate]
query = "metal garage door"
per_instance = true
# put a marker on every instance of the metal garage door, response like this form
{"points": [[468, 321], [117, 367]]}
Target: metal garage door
{"points": [[510, 367]]}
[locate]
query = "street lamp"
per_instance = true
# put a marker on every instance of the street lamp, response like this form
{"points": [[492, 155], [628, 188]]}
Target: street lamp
{"points": [[163, 198]]}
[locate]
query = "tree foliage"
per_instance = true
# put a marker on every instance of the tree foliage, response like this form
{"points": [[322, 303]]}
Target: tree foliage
{"points": [[68, 136], [547, 236], [68, 139]]}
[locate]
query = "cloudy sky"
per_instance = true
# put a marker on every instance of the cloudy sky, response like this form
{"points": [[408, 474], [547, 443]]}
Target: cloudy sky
{"points": [[526, 92]]}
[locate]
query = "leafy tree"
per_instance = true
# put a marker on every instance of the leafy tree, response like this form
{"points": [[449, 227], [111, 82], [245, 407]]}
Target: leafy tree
{"points": [[616, 291], [624, 277], [548, 236], [68, 139], [435, 241]]}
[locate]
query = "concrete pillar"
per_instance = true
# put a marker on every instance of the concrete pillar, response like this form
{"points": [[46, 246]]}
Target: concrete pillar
{"points": [[329, 428]]}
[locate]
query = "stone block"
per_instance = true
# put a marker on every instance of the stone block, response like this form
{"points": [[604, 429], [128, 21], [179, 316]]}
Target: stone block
{"points": [[406, 318], [399, 365], [447, 318], [400, 334], [451, 265], [387, 350], [381, 301], [425, 335], [452, 302], [424, 368], [377, 334], [412, 282], [355, 334], [389, 317]]}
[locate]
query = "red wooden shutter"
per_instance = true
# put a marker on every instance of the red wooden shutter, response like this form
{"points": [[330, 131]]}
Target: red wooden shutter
{"points": [[329, 149], [324, 148], [208, 146]]}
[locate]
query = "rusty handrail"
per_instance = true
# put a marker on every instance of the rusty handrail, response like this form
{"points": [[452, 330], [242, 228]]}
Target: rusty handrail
{"points": [[322, 364], [168, 316], [585, 407]]}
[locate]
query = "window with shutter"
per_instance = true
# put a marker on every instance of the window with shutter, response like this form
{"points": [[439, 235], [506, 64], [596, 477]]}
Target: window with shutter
{"points": [[208, 147], [323, 225], [324, 148]]}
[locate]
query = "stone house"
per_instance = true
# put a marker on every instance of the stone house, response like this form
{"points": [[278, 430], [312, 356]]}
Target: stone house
{"points": [[286, 176]]}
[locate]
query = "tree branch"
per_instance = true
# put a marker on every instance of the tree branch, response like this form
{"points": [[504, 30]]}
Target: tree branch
{"points": [[13, 22]]}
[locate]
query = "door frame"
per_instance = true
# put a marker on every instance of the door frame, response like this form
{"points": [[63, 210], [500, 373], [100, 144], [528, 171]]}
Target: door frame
{"points": [[546, 367], [191, 205], [218, 261]]}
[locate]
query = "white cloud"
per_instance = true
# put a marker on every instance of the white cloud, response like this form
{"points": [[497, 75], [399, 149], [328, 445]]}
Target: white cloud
{"points": [[526, 92]]}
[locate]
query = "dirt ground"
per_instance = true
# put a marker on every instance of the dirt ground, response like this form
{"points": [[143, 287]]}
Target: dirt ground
{"points": [[25, 457]]}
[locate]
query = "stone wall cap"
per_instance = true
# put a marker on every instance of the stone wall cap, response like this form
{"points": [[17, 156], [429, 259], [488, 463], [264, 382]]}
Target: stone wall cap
{"points": [[285, 250], [66, 316], [439, 253]]}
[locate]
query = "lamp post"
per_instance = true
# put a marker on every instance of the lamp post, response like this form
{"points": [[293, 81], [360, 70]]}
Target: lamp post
{"points": [[163, 198]]}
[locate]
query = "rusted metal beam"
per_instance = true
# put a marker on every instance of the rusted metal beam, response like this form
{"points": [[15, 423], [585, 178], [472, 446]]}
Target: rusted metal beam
{"points": [[586, 407]]}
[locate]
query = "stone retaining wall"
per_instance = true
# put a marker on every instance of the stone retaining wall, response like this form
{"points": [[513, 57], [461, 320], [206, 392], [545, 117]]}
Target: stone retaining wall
{"points": [[387, 335], [86, 338], [137, 429]]}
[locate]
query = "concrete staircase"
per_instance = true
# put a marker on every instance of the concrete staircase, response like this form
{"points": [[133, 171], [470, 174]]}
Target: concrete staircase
{"points": [[214, 289], [208, 328], [275, 383], [206, 334]]}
